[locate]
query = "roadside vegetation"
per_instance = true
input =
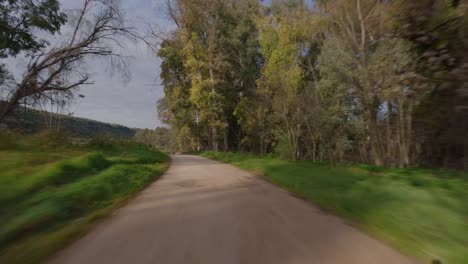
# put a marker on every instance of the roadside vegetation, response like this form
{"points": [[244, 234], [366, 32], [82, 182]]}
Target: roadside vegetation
{"points": [[422, 212], [51, 190], [341, 81]]}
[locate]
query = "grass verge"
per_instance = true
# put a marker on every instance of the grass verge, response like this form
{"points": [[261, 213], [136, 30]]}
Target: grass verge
{"points": [[422, 212], [53, 193]]}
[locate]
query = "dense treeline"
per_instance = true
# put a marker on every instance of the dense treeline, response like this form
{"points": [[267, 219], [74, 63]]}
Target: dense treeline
{"points": [[160, 137], [381, 82]]}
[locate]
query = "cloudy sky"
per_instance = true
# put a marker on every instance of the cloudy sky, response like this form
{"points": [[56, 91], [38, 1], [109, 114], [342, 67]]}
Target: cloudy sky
{"points": [[133, 103]]}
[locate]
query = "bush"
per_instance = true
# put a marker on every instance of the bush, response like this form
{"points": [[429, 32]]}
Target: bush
{"points": [[7, 141], [46, 140], [55, 174], [102, 143], [73, 169], [283, 150]]}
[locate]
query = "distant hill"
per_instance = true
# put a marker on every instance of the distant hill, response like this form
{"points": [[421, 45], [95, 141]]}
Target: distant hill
{"points": [[27, 120]]}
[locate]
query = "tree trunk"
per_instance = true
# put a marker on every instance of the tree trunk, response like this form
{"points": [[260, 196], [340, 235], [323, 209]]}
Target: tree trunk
{"points": [[405, 126], [409, 123], [7, 107], [225, 136], [374, 140], [292, 149], [214, 138], [314, 150], [388, 134], [5, 110]]}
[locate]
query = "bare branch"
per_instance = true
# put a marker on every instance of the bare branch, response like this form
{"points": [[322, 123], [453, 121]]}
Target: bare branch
{"points": [[99, 29]]}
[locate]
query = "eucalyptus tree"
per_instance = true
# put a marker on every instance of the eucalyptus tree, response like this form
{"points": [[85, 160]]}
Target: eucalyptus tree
{"points": [[285, 40], [217, 46], [175, 108]]}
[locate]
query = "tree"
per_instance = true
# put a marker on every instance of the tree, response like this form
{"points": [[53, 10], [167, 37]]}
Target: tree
{"points": [[94, 33], [376, 68], [175, 108], [159, 137], [218, 51], [437, 29], [282, 39], [370, 81], [53, 108], [18, 20]]}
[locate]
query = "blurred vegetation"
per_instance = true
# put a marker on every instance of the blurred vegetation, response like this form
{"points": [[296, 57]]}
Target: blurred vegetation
{"points": [[420, 211], [52, 190], [159, 137]]}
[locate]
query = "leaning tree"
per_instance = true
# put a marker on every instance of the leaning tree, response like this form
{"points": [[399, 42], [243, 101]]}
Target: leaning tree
{"points": [[98, 29]]}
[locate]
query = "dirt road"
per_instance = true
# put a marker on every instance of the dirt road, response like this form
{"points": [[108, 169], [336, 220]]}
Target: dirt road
{"points": [[206, 212]]}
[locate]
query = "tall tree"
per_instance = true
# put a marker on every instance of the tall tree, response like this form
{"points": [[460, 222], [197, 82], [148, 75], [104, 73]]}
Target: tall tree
{"points": [[280, 38], [437, 29], [175, 108], [218, 49], [375, 65]]}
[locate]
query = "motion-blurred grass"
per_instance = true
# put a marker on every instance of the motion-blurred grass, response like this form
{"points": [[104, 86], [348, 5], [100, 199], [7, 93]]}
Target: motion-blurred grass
{"points": [[51, 190], [422, 212]]}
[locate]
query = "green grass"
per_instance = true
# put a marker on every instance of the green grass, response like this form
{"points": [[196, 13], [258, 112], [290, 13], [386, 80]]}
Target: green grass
{"points": [[422, 212], [52, 191]]}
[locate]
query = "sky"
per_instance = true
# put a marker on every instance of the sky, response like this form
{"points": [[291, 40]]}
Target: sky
{"points": [[131, 103]]}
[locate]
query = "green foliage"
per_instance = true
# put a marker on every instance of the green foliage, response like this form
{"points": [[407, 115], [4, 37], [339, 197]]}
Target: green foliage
{"points": [[159, 137], [19, 22], [175, 109], [45, 189], [184, 139], [14, 186], [209, 63], [283, 150], [339, 81], [283, 86], [19, 19], [422, 212]]}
